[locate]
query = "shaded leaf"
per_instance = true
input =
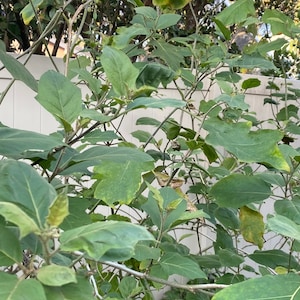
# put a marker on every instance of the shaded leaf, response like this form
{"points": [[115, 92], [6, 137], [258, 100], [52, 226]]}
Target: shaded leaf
{"points": [[58, 95], [97, 136], [174, 263], [22, 185], [99, 238], [283, 287], [274, 258], [250, 146], [252, 226], [55, 275], [28, 12], [16, 143], [13, 288], [119, 70], [18, 70], [10, 248], [167, 20], [228, 258], [237, 190], [81, 290], [250, 83], [289, 209]]}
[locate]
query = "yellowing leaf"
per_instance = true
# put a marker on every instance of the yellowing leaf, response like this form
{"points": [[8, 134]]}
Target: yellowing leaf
{"points": [[58, 210], [252, 226], [171, 4]]}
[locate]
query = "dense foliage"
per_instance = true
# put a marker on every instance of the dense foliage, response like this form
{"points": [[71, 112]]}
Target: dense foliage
{"points": [[94, 211]]}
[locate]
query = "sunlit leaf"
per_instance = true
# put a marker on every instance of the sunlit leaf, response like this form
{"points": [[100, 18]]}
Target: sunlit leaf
{"points": [[252, 226], [55, 275], [283, 287]]}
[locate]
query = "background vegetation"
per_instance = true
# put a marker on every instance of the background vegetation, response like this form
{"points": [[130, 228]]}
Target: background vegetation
{"points": [[82, 214]]}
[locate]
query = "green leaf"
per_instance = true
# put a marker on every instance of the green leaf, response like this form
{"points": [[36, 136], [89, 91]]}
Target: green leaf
{"points": [[174, 263], [16, 215], [143, 251], [95, 115], [18, 70], [248, 146], [149, 102], [98, 136], [16, 143], [234, 101], [125, 34], [228, 76], [252, 226], [119, 70], [277, 44], [250, 83], [274, 258], [284, 226], [280, 287], [167, 20], [228, 217], [289, 209], [82, 290], [28, 13], [12, 288], [143, 136], [99, 238], [163, 50], [77, 213], [76, 66], [237, 190], [58, 95], [23, 186], [229, 258], [223, 240], [58, 210], [280, 22], [129, 287], [119, 182], [55, 275], [236, 12], [10, 248], [152, 74]]}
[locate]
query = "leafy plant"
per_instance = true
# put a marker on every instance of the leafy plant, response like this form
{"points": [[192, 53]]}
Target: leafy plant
{"points": [[90, 211]]}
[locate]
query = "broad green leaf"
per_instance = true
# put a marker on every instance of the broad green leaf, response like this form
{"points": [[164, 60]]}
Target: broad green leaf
{"points": [[18, 70], [230, 278], [251, 61], [77, 66], [119, 70], [22, 185], [119, 182], [171, 4], [167, 20], [10, 248], [174, 263], [229, 258], [274, 258], [58, 210], [280, 22], [82, 290], [77, 214], [152, 74], [266, 47], [284, 226], [12, 288], [250, 83], [289, 209], [17, 216], [99, 238], [147, 121], [252, 226], [55, 275], [234, 101], [16, 143], [163, 49], [236, 12], [223, 240], [92, 82], [209, 261], [28, 13], [228, 217], [248, 146], [60, 97], [149, 102], [143, 136], [95, 115], [129, 286], [279, 287], [143, 251], [228, 76], [125, 34], [237, 190], [97, 136]]}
